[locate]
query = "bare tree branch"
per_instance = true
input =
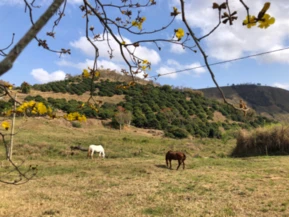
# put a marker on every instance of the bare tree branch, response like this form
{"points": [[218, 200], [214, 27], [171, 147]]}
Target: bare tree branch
{"points": [[7, 63]]}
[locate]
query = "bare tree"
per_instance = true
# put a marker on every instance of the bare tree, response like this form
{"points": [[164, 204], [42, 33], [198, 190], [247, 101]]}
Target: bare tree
{"points": [[123, 117]]}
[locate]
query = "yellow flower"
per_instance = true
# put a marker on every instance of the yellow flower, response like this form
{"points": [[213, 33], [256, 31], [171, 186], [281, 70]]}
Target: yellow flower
{"points": [[175, 12], [85, 73], [137, 24], [123, 42], [145, 62], [5, 125], [41, 108], [266, 21], [250, 21], [142, 19], [82, 118], [75, 116], [97, 74], [30, 104], [134, 23], [180, 33], [49, 110]]}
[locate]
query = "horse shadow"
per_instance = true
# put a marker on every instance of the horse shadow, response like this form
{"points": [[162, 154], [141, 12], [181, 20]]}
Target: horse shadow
{"points": [[161, 166]]}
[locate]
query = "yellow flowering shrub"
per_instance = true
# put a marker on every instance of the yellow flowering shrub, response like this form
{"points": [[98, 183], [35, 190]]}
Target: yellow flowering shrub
{"points": [[32, 107], [75, 116], [5, 125]]}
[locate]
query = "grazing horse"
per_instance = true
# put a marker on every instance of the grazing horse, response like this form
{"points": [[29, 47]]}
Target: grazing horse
{"points": [[175, 155], [97, 148]]}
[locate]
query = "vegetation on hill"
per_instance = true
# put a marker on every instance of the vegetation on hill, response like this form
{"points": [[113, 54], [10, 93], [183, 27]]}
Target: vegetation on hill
{"points": [[178, 112]]}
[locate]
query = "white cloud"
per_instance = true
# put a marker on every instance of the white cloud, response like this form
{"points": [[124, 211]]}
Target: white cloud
{"points": [[171, 66], [75, 1], [177, 49], [283, 86], [89, 63], [235, 41], [142, 52], [280, 56], [167, 71], [43, 76]]}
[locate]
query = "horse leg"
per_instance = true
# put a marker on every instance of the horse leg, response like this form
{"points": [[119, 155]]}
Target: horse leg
{"points": [[179, 161], [170, 164], [183, 164], [88, 153]]}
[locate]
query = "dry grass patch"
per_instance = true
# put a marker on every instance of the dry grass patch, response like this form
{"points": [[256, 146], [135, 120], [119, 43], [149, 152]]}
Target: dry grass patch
{"points": [[262, 141], [219, 117], [143, 187], [84, 97]]}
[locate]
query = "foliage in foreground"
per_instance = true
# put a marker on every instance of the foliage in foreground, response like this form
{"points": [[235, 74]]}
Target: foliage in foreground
{"points": [[262, 141]]}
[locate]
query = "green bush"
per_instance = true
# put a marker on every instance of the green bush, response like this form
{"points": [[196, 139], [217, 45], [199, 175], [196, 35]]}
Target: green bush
{"points": [[176, 132], [76, 124]]}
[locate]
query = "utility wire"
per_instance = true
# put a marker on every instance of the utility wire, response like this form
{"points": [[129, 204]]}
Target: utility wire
{"points": [[222, 62]]}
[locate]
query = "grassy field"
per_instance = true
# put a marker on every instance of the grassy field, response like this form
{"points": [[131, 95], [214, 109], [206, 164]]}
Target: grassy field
{"points": [[133, 180]]}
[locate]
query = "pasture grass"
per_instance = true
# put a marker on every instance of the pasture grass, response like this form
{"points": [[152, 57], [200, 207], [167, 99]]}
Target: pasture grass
{"points": [[134, 181]]}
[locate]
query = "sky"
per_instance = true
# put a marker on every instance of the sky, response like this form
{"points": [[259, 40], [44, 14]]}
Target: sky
{"points": [[36, 65]]}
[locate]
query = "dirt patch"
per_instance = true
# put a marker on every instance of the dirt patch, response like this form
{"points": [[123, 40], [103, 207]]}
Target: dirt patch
{"points": [[84, 97], [219, 117]]}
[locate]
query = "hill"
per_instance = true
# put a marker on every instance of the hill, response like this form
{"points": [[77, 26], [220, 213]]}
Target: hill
{"points": [[179, 113], [268, 101]]}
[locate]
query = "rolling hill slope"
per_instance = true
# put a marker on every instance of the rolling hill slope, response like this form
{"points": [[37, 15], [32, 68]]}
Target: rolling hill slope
{"points": [[268, 101]]}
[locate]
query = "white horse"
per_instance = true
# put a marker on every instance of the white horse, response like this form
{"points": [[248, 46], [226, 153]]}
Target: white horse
{"points": [[97, 148]]}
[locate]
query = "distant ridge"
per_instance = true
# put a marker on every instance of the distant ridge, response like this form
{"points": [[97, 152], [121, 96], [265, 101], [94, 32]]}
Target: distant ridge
{"points": [[269, 101]]}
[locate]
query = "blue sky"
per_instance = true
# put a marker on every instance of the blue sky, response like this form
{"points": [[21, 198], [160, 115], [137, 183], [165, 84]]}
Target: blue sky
{"points": [[36, 65]]}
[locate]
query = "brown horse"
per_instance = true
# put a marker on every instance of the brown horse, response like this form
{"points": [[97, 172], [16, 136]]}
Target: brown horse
{"points": [[175, 155]]}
